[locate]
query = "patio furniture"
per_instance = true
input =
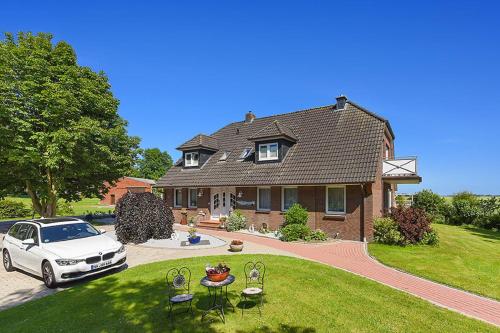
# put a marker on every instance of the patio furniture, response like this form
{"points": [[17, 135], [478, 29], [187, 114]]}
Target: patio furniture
{"points": [[178, 281], [217, 297], [254, 279]]}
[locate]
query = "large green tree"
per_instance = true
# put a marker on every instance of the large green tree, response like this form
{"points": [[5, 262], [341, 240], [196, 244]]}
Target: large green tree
{"points": [[152, 163], [60, 132]]}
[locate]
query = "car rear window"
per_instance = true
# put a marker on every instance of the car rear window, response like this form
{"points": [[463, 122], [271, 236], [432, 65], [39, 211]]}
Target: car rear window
{"points": [[66, 232]]}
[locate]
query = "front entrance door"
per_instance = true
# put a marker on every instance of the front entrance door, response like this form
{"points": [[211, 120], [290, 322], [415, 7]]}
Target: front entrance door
{"points": [[223, 201]]}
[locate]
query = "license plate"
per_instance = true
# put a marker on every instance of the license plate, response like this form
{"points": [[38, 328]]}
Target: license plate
{"points": [[101, 264]]}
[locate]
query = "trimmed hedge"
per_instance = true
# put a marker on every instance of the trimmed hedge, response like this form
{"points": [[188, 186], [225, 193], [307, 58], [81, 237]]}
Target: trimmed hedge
{"points": [[142, 216], [12, 209]]}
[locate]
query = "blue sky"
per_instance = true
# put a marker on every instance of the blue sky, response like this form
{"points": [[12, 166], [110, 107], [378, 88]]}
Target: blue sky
{"points": [[431, 67]]}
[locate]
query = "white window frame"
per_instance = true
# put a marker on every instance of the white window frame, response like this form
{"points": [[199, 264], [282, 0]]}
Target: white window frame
{"points": [[328, 212], [175, 197], [191, 154], [245, 153], [189, 198], [283, 196], [225, 155], [258, 199], [268, 151]]}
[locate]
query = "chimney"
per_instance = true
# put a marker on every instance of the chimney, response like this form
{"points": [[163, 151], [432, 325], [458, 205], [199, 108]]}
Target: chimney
{"points": [[341, 100], [249, 117]]}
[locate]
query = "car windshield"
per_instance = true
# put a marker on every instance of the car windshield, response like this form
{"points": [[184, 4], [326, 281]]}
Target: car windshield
{"points": [[65, 232]]}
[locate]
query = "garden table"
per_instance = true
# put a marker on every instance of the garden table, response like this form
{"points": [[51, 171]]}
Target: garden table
{"points": [[217, 297]]}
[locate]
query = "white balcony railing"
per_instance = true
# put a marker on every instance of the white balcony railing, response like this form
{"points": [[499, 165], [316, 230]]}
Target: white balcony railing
{"points": [[400, 167]]}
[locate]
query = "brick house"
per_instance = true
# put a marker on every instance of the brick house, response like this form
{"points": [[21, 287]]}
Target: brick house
{"points": [[337, 161], [124, 185]]}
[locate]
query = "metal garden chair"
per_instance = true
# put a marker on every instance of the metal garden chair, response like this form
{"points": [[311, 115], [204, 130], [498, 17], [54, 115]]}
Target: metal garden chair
{"points": [[178, 284], [254, 284]]}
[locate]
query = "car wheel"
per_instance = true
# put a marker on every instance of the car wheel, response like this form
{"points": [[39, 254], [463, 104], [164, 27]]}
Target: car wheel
{"points": [[7, 263], [48, 275]]}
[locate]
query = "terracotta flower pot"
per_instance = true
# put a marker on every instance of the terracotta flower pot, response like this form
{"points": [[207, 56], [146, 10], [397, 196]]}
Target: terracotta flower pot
{"points": [[218, 277], [236, 248]]}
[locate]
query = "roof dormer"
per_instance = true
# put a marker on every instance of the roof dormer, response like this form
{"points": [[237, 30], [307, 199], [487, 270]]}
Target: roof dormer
{"points": [[197, 151], [275, 130], [200, 141], [272, 142]]}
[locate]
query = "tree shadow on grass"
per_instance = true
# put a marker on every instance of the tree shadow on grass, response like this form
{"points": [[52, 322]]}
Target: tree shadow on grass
{"points": [[282, 329], [19, 296], [112, 305], [484, 233], [135, 306]]}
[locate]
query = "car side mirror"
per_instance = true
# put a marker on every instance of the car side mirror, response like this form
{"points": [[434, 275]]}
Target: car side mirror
{"points": [[102, 231], [29, 241]]}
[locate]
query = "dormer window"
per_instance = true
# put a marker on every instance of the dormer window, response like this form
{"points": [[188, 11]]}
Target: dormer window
{"points": [[191, 159], [268, 151], [224, 156], [246, 152]]}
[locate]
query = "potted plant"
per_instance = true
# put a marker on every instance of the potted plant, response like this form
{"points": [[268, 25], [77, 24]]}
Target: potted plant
{"points": [[193, 237], [192, 221], [218, 273], [236, 245]]}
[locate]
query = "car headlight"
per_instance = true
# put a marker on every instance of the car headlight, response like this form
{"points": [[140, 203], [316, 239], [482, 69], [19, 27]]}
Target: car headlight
{"points": [[68, 262], [121, 249]]}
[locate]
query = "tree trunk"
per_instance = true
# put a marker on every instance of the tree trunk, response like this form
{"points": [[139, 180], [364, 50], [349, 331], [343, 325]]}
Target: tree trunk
{"points": [[45, 207], [35, 200], [52, 197]]}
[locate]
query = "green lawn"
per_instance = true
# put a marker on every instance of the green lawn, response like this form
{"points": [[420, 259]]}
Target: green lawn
{"points": [[467, 258], [80, 207], [302, 296]]}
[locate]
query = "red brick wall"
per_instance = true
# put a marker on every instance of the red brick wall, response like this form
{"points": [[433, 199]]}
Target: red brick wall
{"points": [[307, 198], [122, 187], [203, 204], [347, 226], [313, 198]]}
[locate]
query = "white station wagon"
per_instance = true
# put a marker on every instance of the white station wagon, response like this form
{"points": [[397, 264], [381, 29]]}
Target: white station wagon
{"points": [[60, 249]]}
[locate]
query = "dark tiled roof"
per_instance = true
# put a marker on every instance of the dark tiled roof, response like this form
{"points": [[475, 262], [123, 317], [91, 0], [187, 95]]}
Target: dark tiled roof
{"points": [[274, 130], [200, 141], [333, 146]]}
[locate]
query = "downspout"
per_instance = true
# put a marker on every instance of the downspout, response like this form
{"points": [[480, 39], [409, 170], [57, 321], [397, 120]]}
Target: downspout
{"points": [[362, 213]]}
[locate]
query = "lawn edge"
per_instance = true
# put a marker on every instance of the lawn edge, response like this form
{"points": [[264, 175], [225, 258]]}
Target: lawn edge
{"points": [[382, 262]]}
